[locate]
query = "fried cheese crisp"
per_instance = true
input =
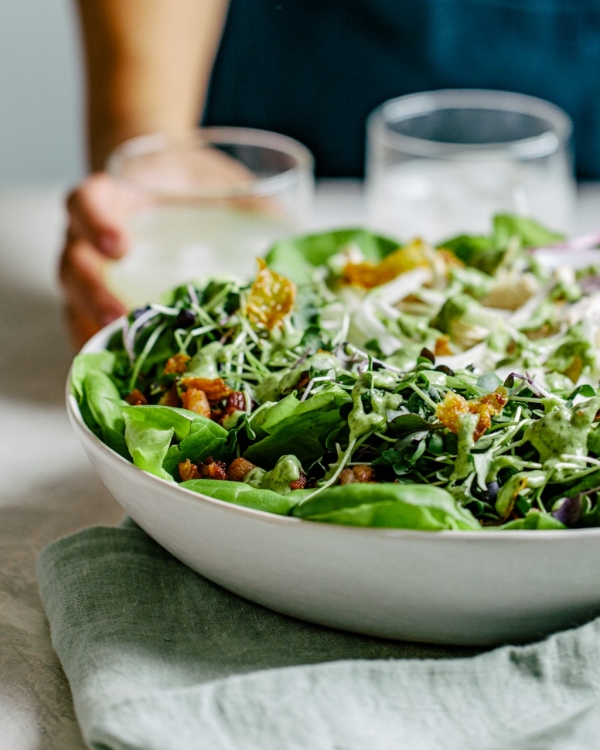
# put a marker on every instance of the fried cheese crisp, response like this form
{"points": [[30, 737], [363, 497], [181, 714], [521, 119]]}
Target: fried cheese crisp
{"points": [[485, 407], [238, 469], [418, 254], [442, 346], [216, 389], [195, 400], [188, 470], [271, 298]]}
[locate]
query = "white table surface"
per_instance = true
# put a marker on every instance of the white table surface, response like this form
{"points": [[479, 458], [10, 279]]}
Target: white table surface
{"points": [[47, 487]]}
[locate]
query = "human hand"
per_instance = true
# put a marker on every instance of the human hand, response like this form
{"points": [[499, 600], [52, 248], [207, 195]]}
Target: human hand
{"points": [[96, 232], [101, 205]]}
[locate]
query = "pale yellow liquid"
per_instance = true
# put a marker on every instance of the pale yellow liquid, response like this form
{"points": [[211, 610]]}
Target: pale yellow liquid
{"points": [[173, 245]]}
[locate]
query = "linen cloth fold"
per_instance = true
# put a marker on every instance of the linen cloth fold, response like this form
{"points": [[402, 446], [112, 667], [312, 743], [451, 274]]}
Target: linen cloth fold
{"points": [[159, 658]]}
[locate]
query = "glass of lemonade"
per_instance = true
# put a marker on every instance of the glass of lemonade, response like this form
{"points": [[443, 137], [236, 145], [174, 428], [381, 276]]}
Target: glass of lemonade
{"points": [[206, 203], [444, 162]]}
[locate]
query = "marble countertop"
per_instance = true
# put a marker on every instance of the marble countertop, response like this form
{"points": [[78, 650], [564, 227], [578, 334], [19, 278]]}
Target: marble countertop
{"points": [[47, 487]]}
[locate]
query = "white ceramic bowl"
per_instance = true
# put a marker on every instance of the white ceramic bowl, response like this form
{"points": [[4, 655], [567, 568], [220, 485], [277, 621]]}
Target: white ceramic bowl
{"points": [[453, 587]]}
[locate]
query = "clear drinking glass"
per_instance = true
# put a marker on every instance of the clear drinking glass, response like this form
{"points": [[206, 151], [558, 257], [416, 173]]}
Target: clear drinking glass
{"points": [[443, 162], [206, 203]]}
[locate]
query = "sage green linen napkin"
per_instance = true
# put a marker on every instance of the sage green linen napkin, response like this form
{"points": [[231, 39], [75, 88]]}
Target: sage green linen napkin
{"points": [[159, 658]]}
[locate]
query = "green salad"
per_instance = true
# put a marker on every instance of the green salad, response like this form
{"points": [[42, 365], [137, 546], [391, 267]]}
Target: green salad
{"points": [[362, 382]]}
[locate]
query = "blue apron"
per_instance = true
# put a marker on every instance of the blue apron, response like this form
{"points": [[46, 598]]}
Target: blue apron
{"points": [[314, 69]]}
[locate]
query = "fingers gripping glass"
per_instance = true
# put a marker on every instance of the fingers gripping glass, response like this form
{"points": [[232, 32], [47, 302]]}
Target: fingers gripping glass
{"points": [[207, 202]]}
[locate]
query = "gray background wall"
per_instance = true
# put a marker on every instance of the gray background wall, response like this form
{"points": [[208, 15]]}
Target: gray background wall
{"points": [[41, 129]]}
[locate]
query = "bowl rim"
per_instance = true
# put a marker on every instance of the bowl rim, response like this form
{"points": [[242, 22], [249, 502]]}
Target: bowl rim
{"points": [[97, 343]]}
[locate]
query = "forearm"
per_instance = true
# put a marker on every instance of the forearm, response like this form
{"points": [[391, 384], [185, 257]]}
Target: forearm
{"points": [[148, 65]]}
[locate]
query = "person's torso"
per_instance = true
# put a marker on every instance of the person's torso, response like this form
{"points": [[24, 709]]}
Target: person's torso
{"points": [[314, 69]]}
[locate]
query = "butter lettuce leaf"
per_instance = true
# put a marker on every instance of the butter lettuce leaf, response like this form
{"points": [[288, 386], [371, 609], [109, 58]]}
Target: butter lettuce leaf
{"points": [[402, 506], [101, 410], [302, 430], [164, 418], [198, 436], [240, 493], [487, 252], [528, 231], [148, 446], [206, 438], [89, 362], [304, 435], [533, 520], [296, 257]]}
